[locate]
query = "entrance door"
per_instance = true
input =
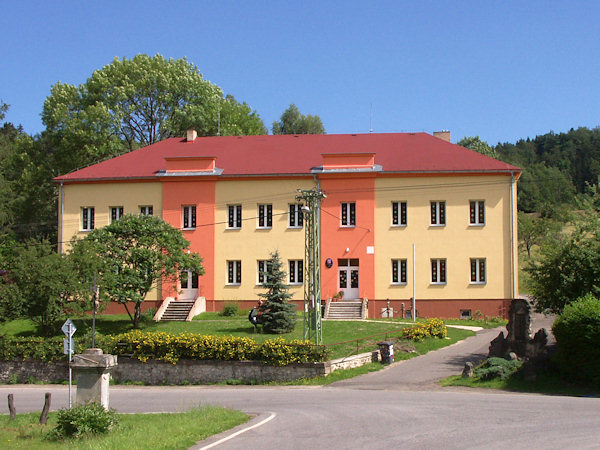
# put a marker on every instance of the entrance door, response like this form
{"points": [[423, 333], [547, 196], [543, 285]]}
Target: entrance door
{"points": [[348, 278], [189, 285]]}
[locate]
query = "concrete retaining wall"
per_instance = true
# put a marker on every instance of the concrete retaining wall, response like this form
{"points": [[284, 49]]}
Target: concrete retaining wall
{"points": [[156, 372]]}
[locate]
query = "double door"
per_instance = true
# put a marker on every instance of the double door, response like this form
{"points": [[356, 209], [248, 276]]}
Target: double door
{"points": [[348, 278]]}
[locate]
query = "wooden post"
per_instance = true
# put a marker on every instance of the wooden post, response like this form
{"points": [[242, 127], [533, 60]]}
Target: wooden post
{"points": [[11, 407], [44, 416]]}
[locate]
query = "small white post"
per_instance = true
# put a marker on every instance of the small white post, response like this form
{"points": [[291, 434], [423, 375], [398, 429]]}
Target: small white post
{"points": [[70, 350]]}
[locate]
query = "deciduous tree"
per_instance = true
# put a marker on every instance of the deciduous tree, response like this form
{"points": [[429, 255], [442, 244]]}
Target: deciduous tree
{"points": [[292, 122], [136, 102], [131, 255]]}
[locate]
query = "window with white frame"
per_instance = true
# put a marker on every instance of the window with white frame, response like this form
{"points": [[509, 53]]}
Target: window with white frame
{"points": [[399, 271], [296, 274], [234, 272], [146, 210], [399, 214], [261, 277], [348, 217], [296, 216], [189, 217], [234, 216], [438, 213], [265, 216], [478, 271], [477, 212], [87, 218], [116, 212], [438, 271]]}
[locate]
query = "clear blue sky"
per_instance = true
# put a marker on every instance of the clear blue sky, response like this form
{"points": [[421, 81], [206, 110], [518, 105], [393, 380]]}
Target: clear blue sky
{"points": [[502, 70]]}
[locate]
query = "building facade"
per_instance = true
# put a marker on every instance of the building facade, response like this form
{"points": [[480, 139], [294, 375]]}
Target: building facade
{"points": [[405, 215]]}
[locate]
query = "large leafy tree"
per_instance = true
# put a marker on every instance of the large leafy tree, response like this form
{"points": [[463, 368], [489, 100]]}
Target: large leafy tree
{"points": [[293, 122], [278, 314], [568, 266], [136, 102], [475, 143], [42, 285], [130, 256]]}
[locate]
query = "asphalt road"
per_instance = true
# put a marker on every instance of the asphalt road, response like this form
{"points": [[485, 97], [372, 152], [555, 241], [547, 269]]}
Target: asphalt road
{"points": [[399, 407]]}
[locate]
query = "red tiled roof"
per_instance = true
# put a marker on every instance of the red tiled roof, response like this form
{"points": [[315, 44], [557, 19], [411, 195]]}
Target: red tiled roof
{"points": [[296, 154]]}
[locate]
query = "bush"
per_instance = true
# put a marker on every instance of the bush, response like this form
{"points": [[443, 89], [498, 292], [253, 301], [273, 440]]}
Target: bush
{"points": [[577, 332], [429, 328], [83, 419], [497, 368], [230, 309]]}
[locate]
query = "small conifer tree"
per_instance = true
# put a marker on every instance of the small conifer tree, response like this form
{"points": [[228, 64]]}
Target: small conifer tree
{"points": [[278, 314]]}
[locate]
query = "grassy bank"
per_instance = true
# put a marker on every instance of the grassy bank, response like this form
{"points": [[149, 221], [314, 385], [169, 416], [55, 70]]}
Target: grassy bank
{"points": [[139, 431]]}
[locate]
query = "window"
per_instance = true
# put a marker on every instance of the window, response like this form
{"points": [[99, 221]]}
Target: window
{"points": [[87, 218], [477, 212], [349, 214], [465, 313], [477, 270], [234, 272], [116, 212], [399, 271], [189, 217], [438, 271], [146, 210], [265, 216], [261, 272], [296, 273], [296, 216], [438, 213], [234, 217], [399, 214]]}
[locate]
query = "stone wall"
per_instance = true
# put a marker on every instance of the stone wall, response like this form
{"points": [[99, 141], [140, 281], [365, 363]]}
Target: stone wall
{"points": [[156, 372]]}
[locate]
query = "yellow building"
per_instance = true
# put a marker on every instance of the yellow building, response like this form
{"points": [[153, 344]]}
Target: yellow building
{"points": [[406, 215]]}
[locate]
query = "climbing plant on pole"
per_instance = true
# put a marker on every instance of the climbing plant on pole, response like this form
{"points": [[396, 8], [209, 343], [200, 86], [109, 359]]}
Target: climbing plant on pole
{"points": [[278, 314]]}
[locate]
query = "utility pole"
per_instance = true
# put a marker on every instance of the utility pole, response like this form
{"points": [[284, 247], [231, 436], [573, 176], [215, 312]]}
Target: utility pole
{"points": [[312, 262]]}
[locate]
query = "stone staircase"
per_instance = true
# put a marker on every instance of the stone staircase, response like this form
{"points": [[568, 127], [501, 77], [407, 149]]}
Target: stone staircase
{"points": [[178, 310], [345, 310]]}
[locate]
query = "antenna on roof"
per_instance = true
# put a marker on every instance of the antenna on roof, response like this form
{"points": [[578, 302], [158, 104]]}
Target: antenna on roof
{"points": [[371, 120]]}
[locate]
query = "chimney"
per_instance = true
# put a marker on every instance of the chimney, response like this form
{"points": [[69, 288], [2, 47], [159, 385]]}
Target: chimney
{"points": [[444, 135], [191, 135]]}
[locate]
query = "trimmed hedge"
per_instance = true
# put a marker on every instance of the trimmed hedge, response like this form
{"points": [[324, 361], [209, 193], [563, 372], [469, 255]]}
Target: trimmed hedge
{"points": [[171, 347], [429, 328], [577, 332]]}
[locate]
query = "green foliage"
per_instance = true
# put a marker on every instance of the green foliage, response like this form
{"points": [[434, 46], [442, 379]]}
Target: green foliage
{"points": [[430, 328], [130, 255], [41, 285], [278, 314], [83, 420], [475, 143], [497, 368], [230, 309], [172, 348], [292, 122], [568, 266], [136, 102], [577, 332], [534, 230]]}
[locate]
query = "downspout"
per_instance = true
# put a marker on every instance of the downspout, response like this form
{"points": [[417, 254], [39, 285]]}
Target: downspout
{"points": [[512, 235], [61, 215]]}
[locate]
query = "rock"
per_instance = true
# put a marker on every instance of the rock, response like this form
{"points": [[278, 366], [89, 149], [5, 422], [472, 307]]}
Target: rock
{"points": [[512, 356], [468, 370], [498, 346]]}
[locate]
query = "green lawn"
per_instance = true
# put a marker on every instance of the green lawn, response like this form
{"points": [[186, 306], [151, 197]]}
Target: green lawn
{"points": [[489, 322], [139, 431], [334, 332], [546, 383]]}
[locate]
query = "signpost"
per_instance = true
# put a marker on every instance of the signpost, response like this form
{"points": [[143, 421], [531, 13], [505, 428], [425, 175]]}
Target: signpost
{"points": [[69, 329]]}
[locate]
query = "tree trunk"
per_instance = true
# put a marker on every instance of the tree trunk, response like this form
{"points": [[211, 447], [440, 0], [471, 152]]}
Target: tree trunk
{"points": [[136, 315]]}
